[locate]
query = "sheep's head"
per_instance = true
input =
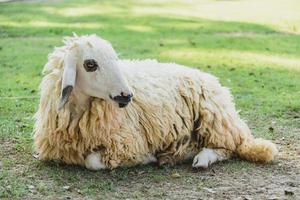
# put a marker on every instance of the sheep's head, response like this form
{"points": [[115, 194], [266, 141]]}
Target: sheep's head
{"points": [[91, 68]]}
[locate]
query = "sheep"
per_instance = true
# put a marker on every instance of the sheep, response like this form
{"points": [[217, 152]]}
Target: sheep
{"points": [[99, 111]]}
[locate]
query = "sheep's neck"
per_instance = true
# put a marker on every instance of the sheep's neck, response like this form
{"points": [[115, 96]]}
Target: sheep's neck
{"points": [[79, 102]]}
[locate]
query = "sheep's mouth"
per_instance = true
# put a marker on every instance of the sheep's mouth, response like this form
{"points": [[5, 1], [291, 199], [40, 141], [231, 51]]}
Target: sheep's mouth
{"points": [[122, 102], [122, 105]]}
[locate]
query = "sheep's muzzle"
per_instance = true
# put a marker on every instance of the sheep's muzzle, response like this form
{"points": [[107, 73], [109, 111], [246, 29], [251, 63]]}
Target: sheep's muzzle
{"points": [[122, 100]]}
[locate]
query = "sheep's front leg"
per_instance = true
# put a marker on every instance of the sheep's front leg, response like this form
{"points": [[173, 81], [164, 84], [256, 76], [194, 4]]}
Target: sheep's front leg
{"points": [[93, 161], [208, 156]]}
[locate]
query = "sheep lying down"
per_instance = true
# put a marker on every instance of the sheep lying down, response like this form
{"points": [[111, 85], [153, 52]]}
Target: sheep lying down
{"points": [[99, 111]]}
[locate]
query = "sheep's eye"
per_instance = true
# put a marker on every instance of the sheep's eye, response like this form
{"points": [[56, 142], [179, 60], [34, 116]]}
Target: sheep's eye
{"points": [[90, 65]]}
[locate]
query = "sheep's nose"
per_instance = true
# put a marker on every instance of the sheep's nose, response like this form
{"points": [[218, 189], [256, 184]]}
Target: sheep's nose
{"points": [[126, 95], [123, 98]]}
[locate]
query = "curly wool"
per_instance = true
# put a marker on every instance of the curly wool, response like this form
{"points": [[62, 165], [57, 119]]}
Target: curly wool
{"points": [[175, 112]]}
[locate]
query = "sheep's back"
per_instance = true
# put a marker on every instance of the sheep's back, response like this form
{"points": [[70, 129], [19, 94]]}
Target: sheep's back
{"points": [[166, 100]]}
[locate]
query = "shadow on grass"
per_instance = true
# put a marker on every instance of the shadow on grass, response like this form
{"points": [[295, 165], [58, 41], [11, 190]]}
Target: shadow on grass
{"points": [[139, 178], [123, 175]]}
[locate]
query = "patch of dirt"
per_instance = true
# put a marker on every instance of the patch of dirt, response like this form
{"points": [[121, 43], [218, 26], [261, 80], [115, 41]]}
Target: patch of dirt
{"points": [[233, 179], [280, 180]]}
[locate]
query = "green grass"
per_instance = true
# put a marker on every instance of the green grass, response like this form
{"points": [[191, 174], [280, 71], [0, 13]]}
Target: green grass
{"points": [[256, 53]]}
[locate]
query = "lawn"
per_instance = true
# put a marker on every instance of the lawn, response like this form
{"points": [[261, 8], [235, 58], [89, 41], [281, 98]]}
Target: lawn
{"points": [[252, 46]]}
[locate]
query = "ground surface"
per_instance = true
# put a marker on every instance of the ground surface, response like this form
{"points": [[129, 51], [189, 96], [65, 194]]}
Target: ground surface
{"points": [[252, 46]]}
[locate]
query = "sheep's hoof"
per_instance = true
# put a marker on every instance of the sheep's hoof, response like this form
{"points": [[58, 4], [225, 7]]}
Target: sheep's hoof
{"points": [[93, 161], [205, 158]]}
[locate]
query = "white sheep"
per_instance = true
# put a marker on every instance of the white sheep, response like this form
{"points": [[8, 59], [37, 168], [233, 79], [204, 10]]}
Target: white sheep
{"points": [[99, 111]]}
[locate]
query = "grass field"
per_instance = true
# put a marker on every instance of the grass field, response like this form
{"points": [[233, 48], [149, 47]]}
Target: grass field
{"points": [[252, 46]]}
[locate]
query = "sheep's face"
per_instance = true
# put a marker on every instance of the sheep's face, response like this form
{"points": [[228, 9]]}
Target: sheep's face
{"points": [[97, 72]]}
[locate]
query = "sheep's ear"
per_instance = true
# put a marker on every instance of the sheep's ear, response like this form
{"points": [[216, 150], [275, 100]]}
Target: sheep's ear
{"points": [[69, 76]]}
